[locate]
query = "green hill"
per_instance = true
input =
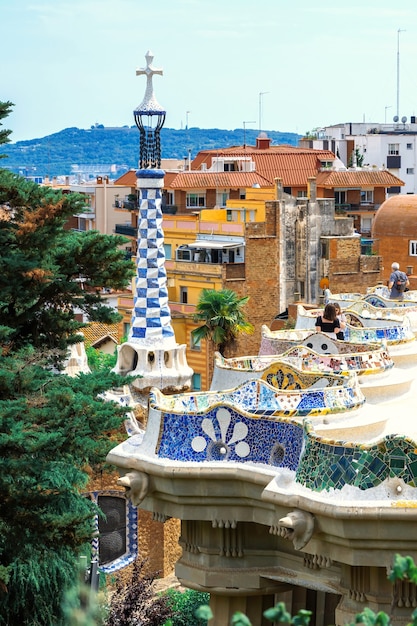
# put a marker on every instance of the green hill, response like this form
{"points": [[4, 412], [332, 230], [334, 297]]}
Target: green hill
{"points": [[97, 149]]}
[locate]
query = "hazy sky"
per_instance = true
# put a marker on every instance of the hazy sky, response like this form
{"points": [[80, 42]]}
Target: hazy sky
{"points": [[317, 62]]}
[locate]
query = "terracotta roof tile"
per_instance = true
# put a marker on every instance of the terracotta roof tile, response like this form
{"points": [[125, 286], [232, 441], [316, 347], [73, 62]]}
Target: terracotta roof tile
{"points": [[97, 330], [290, 163], [358, 178], [212, 180], [128, 179]]}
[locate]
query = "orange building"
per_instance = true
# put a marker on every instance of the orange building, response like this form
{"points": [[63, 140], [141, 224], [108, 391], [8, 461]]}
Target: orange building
{"points": [[395, 229]]}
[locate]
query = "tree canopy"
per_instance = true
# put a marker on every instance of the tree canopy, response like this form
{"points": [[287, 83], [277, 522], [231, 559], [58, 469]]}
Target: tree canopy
{"points": [[55, 431], [48, 273]]}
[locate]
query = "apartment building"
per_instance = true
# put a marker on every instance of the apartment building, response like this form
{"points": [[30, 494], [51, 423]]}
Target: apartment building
{"points": [[374, 146]]}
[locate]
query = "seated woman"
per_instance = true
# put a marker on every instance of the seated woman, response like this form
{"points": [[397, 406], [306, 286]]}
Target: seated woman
{"points": [[328, 322], [343, 321]]}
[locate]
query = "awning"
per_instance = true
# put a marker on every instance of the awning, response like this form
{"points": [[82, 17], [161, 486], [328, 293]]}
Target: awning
{"points": [[214, 245], [87, 216]]}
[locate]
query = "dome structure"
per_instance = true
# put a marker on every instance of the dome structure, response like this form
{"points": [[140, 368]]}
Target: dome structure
{"points": [[397, 217], [395, 229]]}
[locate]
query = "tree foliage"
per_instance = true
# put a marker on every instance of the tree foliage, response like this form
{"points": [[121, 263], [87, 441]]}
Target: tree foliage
{"points": [[223, 317], [5, 110], [55, 431], [48, 273], [185, 605]]}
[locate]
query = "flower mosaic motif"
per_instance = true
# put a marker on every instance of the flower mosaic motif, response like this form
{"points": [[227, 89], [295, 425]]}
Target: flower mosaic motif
{"points": [[218, 444]]}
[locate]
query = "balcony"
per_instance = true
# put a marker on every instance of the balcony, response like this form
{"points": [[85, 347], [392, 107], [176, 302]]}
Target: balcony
{"points": [[346, 208], [125, 229], [169, 209]]}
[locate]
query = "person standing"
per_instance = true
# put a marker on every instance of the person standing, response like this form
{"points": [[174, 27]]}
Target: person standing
{"points": [[398, 282]]}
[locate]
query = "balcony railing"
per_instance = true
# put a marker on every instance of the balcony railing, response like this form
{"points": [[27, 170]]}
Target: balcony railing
{"points": [[125, 229], [169, 209], [348, 207]]}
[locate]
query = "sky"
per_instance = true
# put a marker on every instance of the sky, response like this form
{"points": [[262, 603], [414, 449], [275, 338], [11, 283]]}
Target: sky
{"points": [[285, 65]]}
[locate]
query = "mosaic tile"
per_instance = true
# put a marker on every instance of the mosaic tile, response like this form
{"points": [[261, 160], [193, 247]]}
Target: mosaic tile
{"points": [[325, 465]]}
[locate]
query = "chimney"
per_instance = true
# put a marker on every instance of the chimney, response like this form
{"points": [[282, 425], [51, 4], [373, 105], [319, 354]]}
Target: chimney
{"points": [[278, 188], [312, 189], [263, 142]]}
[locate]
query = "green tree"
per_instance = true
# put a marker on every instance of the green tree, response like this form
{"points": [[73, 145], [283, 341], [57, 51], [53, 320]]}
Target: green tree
{"points": [[5, 110], [54, 431], [46, 271], [223, 318]]}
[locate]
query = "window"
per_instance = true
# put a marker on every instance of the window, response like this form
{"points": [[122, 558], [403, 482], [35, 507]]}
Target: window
{"points": [[242, 194], [340, 197], [302, 193], [367, 197], [229, 167], [324, 249], [194, 343], [409, 146], [412, 248], [82, 223], [168, 251], [366, 224], [196, 200], [183, 254], [126, 329], [184, 295], [117, 544], [221, 198], [394, 148], [170, 197], [196, 382], [410, 170]]}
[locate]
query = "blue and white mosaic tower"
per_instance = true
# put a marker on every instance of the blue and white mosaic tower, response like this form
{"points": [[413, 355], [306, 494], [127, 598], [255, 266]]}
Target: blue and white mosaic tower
{"points": [[151, 351]]}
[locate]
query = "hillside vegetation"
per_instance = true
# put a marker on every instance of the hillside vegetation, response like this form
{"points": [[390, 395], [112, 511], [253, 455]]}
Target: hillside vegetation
{"points": [[100, 147]]}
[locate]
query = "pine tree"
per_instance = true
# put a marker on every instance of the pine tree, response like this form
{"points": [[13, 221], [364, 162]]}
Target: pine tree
{"points": [[47, 272], [5, 110], [54, 430]]}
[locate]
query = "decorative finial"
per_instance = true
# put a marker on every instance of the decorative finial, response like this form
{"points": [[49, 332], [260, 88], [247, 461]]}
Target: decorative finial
{"points": [[149, 103], [149, 118]]}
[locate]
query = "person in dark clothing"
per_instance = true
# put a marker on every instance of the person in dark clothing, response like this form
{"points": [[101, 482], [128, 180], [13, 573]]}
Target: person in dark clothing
{"points": [[328, 322], [397, 275]]}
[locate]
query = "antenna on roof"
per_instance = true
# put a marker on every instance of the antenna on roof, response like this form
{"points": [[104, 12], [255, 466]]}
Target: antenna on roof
{"points": [[244, 132]]}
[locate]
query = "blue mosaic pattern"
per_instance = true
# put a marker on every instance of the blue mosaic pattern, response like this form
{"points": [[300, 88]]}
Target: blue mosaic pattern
{"points": [[224, 434], [251, 422], [391, 335], [258, 398], [328, 464], [151, 316]]}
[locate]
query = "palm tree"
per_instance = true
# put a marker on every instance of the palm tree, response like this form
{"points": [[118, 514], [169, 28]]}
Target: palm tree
{"points": [[223, 317]]}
